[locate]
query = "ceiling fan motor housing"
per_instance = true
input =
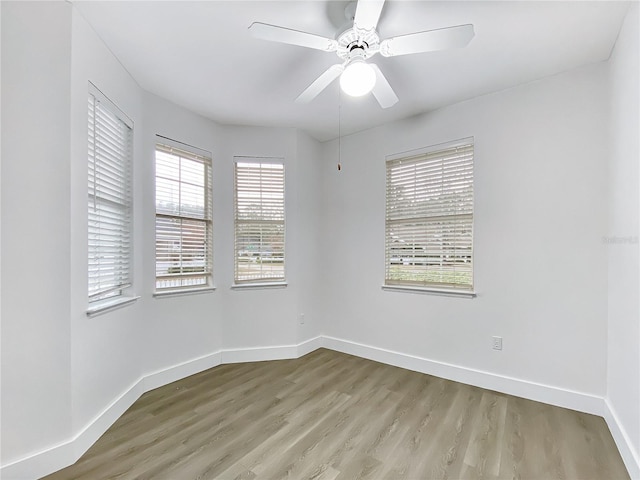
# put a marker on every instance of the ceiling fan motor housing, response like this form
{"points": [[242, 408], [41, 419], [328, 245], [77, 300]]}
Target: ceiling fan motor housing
{"points": [[354, 41]]}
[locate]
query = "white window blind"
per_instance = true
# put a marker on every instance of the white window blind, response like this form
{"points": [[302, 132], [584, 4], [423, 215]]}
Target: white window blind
{"points": [[184, 237], [109, 219], [429, 219], [259, 220]]}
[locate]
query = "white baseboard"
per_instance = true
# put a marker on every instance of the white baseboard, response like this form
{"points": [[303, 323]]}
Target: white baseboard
{"points": [[309, 346], [630, 457], [101, 423], [279, 352], [560, 397], [168, 375], [259, 354], [66, 453], [41, 463]]}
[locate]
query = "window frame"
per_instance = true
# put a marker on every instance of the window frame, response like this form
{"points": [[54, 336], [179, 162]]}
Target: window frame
{"points": [[121, 200], [262, 281], [191, 153], [432, 225]]}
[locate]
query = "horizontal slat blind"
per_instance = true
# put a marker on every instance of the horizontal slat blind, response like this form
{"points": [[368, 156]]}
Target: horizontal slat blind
{"points": [[429, 219], [184, 244], [259, 221], [109, 221]]}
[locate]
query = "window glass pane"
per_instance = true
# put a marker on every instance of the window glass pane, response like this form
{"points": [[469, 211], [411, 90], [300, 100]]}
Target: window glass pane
{"points": [[109, 201], [429, 219], [183, 219], [259, 221]]}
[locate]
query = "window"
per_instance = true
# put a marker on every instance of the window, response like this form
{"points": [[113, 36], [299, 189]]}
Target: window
{"points": [[259, 220], [109, 219], [429, 218], [184, 243]]}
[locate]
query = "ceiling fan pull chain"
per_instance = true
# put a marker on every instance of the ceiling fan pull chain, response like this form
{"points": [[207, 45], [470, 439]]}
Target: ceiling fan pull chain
{"points": [[339, 130]]}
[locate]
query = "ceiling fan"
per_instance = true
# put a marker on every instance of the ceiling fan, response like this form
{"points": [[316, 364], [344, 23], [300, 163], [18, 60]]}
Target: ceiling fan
{"points": [[358, 43]]}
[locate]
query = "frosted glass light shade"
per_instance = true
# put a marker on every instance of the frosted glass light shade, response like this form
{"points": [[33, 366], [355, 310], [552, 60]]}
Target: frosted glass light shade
{"points": [[357, 79]]}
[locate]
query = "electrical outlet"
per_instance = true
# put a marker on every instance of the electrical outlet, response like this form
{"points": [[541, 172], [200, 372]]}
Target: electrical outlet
{"points": [[497, 343], [301, 318]]}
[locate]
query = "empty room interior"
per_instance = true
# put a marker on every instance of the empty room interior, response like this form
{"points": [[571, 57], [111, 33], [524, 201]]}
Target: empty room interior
{"points": [[320, 240]]}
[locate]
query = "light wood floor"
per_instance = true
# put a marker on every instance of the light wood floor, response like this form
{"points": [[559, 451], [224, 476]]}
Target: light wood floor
{"points": [[334, 416]]}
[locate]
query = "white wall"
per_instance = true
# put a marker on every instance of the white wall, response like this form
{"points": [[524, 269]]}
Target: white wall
{"points": [[623, 366], [0, 220], [540, 214], [90, 369], [181, 328], [259, 317], [540, 261], [36, 383], [105, 349], [310, 246], [229, 319]]}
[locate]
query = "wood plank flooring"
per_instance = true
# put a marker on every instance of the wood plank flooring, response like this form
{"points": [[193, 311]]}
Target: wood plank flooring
{"points": [[330, 416]]}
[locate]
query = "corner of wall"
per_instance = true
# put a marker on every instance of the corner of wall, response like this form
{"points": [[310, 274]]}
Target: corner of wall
{"points": [[630, 457], [622, 411]]}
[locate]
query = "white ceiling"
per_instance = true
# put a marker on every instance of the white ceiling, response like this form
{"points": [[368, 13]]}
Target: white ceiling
{"points": [[200, 54]]}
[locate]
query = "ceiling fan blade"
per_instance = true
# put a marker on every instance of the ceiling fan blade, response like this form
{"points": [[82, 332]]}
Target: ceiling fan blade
{"points": [[320, 83], [274, 33], [382, 90], [429, 41], [368, 14]]}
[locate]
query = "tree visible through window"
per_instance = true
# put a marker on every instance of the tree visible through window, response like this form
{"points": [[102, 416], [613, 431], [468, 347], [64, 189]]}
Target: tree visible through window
{"points": [[259, 220], [429, 218]]}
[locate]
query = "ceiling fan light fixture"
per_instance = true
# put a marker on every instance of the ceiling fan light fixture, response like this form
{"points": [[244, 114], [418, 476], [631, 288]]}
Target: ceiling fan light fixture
{"points": [[358, 78]]}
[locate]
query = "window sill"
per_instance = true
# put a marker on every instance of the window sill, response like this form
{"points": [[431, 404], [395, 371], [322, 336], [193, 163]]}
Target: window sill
{"points": [[430, 291], [250, 286], [182, 291], [108, 305]]}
